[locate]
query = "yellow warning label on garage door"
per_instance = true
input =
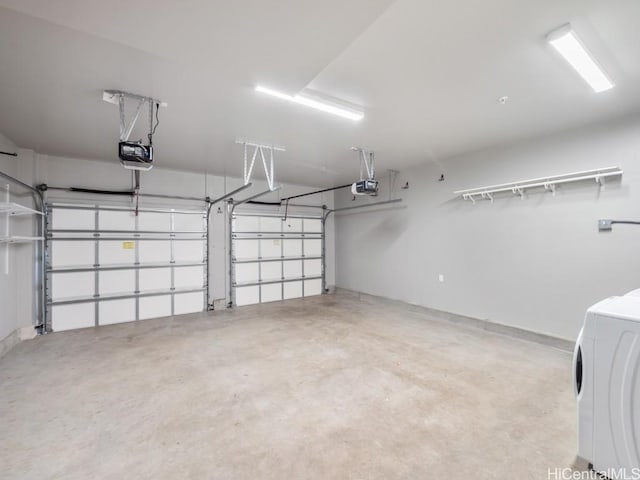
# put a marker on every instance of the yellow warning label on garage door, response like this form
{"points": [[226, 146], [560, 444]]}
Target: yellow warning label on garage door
{"points": [[128, 245]]}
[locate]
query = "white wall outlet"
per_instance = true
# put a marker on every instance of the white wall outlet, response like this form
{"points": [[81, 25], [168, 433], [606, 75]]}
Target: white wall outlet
{"points": [[441, 278]]}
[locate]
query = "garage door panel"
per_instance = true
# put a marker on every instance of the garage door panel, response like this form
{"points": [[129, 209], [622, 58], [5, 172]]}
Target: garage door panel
{"points": [[271, 248], [292, 290], [312, 248], [117, 281], [270, 224], [72, 253], [271, 292], [292, 269], [189, 302], [70, 317], [154, 251], [188, 251], [247, 295], [110, 220], [183, 222], [116, 252], [312, 268], [155, 307], [292, 225], [246, 249], [68, 285], [73, 219], [247, 272], [271, 270], [117, 311], [155, 279], [292, 247], [312, 287], [312, 225], [246, 224], [189, 277], [154, 221]]}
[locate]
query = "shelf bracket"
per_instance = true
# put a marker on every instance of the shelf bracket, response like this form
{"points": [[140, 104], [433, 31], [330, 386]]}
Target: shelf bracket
{"points": [[550, 187], [487, 195], [518, 191]]}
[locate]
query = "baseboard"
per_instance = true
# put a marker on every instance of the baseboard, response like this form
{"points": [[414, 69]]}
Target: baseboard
{"points": [[482, 324], [14, 338]]}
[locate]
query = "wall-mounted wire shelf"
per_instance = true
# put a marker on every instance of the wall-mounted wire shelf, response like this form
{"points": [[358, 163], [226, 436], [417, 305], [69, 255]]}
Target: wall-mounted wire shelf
{"points": [[15, 209], [19, 239], [548, 183]]}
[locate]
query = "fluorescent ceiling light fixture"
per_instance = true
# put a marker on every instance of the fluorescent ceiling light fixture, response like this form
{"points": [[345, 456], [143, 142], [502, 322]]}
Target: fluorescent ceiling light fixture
{"points": [[567, 43], [310, 102]]}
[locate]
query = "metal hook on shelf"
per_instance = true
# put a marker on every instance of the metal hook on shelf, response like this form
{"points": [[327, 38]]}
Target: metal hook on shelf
{"points": [[518, 191], [551, 187]]}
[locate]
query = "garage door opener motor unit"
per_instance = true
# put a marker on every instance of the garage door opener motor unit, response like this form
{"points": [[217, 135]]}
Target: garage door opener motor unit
{"points": [[368, 185], [134, 155]]}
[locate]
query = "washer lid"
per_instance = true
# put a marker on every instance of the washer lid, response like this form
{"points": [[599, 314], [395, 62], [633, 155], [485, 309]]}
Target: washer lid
{"points": [[625, 308]]}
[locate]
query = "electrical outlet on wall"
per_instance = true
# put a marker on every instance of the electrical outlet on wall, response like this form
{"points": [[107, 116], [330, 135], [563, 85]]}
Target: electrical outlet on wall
{"points": [[441, 278], [604, 225]]}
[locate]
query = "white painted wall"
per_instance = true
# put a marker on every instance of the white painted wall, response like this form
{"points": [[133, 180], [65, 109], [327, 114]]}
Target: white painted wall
{"points": [[535, 264]]}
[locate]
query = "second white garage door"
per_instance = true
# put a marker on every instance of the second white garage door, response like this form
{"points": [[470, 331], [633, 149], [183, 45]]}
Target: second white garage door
{"points": [[275, 259]]}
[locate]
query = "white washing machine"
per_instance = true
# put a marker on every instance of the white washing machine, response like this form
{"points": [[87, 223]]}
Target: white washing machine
{"points": [[607, 385]]}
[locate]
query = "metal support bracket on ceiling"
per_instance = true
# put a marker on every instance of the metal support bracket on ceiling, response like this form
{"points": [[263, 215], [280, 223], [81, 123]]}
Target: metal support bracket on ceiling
{"points": [[118, 97], [266, 155], [367, 163]]}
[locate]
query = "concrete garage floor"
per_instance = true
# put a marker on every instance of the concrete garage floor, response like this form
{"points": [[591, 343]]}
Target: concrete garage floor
{"points": [[324, 387]]}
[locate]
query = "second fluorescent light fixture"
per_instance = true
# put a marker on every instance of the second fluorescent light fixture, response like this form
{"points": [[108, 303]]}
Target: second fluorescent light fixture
{"points": [[310, 102], [567, 43]]}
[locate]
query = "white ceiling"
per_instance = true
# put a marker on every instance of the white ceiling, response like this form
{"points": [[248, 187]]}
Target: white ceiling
{"points": [[428, 74]]}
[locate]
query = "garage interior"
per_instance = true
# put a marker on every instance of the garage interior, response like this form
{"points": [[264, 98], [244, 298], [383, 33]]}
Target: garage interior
{"points": [[339, 239]]}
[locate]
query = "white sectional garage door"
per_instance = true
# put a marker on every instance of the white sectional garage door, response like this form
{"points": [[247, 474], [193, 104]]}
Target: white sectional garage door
{"points": [[274, 259], [108, 265]]}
